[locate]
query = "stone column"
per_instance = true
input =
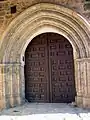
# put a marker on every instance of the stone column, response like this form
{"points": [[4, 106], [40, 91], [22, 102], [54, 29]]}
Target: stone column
{"points": [[2, 87], [22, 83], [18, 84], [82, 78], [8, 88], [11, 82], [19, 81]]}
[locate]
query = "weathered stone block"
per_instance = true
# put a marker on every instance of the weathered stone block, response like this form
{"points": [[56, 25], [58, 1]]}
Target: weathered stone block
{"points": [[87, 5], [2, 13], [86, 102]]}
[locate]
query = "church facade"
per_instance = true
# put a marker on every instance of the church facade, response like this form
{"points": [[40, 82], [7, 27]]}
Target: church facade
{"points": [[44, 52]]}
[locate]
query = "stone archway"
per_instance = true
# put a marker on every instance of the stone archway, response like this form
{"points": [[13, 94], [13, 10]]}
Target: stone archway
{"points": [[41, 18]]}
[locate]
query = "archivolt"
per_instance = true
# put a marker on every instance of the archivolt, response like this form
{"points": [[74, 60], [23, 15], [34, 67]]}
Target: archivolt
{"points": [[34, 20]]}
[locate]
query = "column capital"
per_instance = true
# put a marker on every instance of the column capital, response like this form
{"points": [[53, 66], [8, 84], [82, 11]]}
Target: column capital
{"points": [[82, 60]]}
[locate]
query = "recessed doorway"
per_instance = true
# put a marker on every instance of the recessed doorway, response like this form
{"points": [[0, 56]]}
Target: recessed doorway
{"points": [[49, 69]]}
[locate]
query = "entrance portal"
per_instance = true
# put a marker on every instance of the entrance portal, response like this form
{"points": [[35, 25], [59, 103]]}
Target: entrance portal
{"points": [[49, 69]]}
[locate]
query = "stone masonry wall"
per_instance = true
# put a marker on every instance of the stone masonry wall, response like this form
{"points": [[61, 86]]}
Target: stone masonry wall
{"points": [[9, 9]]}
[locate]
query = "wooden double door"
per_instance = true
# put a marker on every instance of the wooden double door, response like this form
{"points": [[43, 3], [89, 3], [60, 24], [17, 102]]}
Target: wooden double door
{"points": [[49, 69]]}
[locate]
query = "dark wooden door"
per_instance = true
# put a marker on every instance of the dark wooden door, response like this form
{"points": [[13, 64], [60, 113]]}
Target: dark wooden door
{"points": [[61, 69], [49, 69], [36, 72]]}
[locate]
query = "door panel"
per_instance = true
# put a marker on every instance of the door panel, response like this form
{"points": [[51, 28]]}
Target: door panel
{"points": [[49, 69], [36, 75], [61, 69]]}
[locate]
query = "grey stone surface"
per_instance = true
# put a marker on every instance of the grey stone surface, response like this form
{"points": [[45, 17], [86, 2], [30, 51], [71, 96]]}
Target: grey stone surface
{"points": [[45, 111]]}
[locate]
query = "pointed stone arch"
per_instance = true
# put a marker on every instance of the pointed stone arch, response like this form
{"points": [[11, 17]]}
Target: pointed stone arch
{"points": [[37, 19]]}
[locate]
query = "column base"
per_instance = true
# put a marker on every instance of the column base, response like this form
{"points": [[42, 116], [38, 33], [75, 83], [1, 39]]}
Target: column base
{"points": [[2, 104], [79, 101], [86, 102], [18, 100], [82, 101]]}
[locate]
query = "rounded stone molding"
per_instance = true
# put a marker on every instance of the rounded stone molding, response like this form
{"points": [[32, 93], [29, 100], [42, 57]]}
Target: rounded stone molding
{"points": [[45, 15]]}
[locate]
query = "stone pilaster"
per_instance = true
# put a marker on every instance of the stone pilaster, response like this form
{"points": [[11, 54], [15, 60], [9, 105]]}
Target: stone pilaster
{"points": [[82, 78], [11, 77], [18, 84], [2, 87], [22, 83]]}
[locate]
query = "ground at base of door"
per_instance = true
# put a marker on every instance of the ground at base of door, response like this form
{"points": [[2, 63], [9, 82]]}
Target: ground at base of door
{"points": [[45, 111]]}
